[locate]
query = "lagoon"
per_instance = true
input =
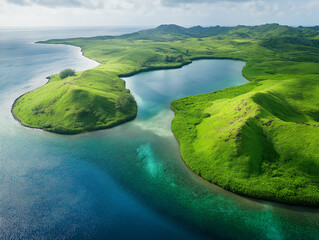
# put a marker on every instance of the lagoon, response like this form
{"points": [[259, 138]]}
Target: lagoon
{"points": [[125, 182]]}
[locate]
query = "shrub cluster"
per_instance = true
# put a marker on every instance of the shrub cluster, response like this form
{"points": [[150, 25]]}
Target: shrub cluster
{"points": [[173, 58], [67, 72], [124, 102]]}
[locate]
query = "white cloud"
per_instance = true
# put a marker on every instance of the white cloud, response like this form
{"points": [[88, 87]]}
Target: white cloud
{"points": [[146, 12], [60, 3], [87, 4], [172, 3]]}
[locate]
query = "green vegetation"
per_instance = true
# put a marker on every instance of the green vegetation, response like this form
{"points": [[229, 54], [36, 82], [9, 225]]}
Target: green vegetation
{"points": [[66, 73], [259, 139], [83, 102], [124, 102]]}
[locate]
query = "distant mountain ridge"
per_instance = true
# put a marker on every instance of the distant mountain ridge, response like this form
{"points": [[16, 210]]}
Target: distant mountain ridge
{"points": [[172, 31]]}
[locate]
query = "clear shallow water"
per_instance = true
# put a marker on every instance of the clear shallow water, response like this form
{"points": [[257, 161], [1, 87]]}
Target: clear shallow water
{"points": [[126, 182]]}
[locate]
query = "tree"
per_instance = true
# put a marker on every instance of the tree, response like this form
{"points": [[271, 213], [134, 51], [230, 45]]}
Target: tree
{"points": [[67, 72], [124, 102]]}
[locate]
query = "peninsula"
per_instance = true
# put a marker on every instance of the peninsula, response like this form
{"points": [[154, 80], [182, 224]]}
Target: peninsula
{"points": [[260, 139]]}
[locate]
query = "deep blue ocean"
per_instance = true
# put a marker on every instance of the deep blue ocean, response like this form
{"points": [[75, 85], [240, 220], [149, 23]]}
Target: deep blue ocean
{"points": [[128, 182]]}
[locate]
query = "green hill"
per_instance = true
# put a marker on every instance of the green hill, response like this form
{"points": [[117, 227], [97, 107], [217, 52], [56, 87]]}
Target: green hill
{"points": [[84, 102], [259, 139]]}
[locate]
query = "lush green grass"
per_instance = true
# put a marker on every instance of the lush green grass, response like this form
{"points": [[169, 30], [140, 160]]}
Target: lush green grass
{"points": [[260, 139], [74, 104]]}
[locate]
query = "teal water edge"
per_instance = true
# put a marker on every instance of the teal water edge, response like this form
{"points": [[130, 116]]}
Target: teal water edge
{"points": [[128, 182]]}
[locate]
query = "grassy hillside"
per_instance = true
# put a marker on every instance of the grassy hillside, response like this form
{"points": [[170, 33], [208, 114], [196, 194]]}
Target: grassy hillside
{"points": [[74, 104], [259, 139]]}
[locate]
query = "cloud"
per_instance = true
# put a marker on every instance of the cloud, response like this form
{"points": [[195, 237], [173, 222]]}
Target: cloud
{"points": [[107, 3], [88, 4], [60, 3], [156, 12], [173, 3]]}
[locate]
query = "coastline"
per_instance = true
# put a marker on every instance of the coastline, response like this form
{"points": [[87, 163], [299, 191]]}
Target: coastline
{"points": [[248, 197], [268, 194], [84, 167], [124, 75], [48, 80]]}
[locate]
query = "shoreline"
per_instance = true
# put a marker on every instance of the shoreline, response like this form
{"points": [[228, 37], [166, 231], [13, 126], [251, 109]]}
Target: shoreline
{"points": [[247, 197], [48, 80], [149, 69], [124, 75], [176, 67]]}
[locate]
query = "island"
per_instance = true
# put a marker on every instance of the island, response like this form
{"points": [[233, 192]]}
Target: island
{"points": [[260, 139]]}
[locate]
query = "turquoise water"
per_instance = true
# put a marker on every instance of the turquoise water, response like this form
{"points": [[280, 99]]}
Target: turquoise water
{"points": [[127, 182]]}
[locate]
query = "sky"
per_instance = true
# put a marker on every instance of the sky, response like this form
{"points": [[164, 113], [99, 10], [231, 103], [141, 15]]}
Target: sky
{"points": [[156, 12]]}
